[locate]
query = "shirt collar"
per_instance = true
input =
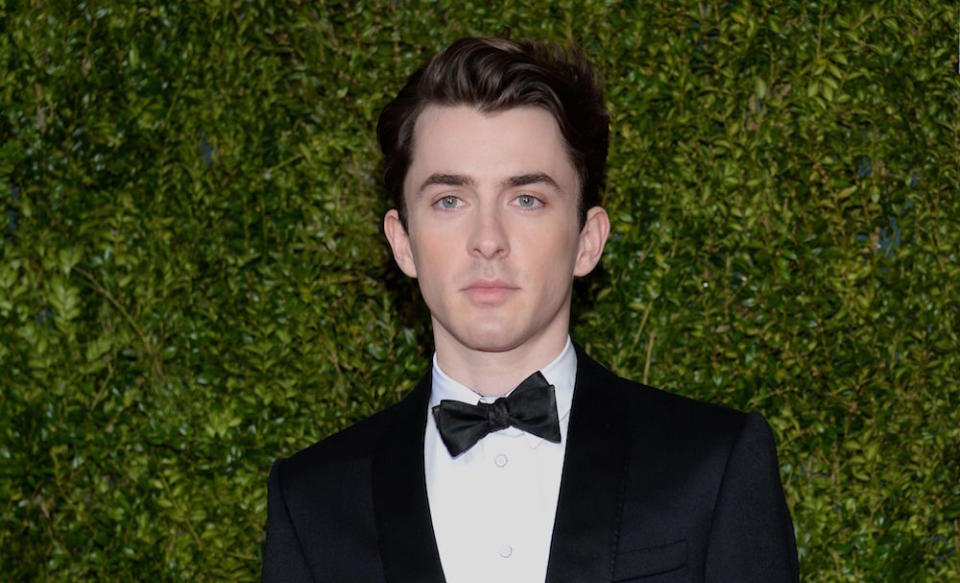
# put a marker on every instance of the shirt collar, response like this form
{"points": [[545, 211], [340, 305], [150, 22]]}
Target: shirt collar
{"points": [[561, 373]]}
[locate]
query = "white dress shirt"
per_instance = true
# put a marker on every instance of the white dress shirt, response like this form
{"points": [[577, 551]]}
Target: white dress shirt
{"points": [[493, 507]]}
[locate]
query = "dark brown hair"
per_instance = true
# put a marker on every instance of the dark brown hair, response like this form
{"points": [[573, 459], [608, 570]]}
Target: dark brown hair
{"points": [[494, 74]]}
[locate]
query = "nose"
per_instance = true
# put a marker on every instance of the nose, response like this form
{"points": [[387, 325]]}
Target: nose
{"points": [[488, 237]]}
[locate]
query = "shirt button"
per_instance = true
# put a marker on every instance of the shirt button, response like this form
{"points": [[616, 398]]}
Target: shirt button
{"points": [[500, 460], [506, 551]]}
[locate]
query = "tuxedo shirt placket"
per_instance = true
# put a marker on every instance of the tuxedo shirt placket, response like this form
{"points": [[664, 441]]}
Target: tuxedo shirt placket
{"points": [[493, 506]]}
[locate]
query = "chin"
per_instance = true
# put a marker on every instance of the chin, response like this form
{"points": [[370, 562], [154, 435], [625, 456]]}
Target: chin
{"points": [[492, 340]]}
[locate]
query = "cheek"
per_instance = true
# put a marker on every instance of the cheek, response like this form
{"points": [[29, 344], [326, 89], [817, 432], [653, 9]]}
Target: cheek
{"points": [[424, 245], [433, 261], [551, 257], [560, 247]]}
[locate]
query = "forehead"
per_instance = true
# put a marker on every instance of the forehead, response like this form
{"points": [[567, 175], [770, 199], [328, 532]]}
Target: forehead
{"points": [[488, 146]]}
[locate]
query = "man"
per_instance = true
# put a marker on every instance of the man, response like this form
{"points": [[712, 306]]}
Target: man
{"points": [[494, 154]]}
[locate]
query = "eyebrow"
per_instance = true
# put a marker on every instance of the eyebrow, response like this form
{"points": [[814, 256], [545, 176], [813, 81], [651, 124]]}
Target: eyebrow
{"points": [[511, 182], [532, 178], [446, 180]]}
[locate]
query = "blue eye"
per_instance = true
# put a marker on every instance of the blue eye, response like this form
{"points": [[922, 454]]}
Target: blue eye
{"points": [[528, 201], [449, 202]]}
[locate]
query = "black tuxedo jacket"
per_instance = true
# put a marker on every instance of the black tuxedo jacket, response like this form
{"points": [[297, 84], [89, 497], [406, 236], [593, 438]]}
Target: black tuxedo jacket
{"points": [[655, 488]]}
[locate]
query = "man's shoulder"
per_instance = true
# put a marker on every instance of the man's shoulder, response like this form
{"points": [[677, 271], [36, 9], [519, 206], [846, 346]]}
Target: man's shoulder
{"points": [[674, 408], [668, 412], [672, 427], [351, 447]]}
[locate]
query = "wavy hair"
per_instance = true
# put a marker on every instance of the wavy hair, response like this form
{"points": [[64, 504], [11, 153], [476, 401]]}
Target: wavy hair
{"points": [[495, 74]]}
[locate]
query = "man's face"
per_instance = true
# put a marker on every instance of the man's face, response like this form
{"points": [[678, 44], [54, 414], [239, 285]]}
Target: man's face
{"points": [[493, 234]]}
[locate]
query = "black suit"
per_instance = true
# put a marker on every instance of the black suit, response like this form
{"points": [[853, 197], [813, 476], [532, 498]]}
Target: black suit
{"points": [[655, 488]]}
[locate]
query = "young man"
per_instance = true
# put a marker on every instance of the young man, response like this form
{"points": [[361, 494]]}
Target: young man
{"points": [[518, 458]]}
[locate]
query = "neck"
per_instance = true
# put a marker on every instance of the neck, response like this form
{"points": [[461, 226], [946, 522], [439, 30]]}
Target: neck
{"points": [[494, 372]]}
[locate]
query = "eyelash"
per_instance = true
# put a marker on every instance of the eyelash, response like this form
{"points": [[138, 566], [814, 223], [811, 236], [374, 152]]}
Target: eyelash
{"points": [[440, 205], [537, 201]]}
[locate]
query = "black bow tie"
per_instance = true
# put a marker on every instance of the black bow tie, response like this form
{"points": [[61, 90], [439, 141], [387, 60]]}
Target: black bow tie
{"points": [[532, 407]]}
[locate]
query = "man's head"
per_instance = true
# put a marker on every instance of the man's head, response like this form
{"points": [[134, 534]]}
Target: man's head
{"points": [[494, 74], [498, 179]]}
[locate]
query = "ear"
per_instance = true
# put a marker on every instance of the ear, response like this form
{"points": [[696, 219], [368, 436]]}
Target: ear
{"points": [[399, 242], [593, 237]]}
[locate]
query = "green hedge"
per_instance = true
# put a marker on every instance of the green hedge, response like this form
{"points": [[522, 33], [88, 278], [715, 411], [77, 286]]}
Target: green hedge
{"points": [[193, 279]]}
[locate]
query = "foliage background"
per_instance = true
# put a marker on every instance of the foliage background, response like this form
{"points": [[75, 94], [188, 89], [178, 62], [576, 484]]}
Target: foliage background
{"points": [[193, 280]]}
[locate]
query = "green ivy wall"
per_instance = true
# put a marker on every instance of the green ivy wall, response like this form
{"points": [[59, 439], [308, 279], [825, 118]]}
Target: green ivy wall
{"points": [[193, 280]]}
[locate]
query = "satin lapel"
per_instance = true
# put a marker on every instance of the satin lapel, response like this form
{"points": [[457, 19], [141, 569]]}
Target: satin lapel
{"points": [[408, 547], [591, 488]]}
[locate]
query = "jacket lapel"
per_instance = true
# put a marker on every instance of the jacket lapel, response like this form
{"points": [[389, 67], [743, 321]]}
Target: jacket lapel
{"points": [[405, 535], [594, 472]]}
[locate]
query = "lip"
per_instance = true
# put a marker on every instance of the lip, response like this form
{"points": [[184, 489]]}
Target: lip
{"points": [[489, 291]]}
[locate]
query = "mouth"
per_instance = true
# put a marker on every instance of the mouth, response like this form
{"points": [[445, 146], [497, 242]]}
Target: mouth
{"points": [[486, 291]]}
